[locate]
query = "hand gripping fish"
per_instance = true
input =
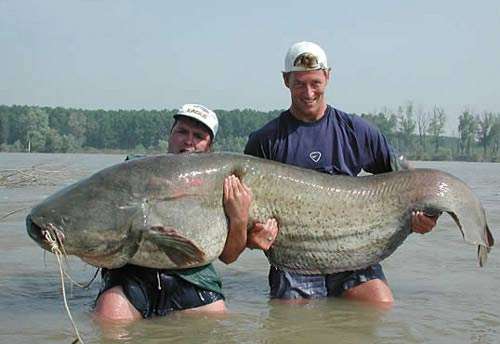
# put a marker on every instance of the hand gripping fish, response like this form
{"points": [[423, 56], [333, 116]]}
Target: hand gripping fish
{"points": [[166, 211]]}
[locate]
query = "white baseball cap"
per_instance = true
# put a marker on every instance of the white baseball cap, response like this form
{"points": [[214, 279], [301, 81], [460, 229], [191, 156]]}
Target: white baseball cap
{"points": [[201, 114], [305, 56]]}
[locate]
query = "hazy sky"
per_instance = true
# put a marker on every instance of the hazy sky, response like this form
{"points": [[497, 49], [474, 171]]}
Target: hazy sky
{"points": [[229, 54]]}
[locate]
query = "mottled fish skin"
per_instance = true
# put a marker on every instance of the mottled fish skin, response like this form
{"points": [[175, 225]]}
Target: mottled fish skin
{"points": [[166, 211]]}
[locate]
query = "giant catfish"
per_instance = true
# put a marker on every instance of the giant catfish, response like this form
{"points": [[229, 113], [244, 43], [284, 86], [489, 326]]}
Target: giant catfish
{"points": [[166, 211]]}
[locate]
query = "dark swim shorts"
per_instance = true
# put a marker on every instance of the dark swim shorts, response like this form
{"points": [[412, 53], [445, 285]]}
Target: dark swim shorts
{"points": [[153, 292], [289, 285]]}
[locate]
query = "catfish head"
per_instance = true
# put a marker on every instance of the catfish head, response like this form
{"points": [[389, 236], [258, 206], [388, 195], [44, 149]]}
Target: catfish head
{"points": [[90, 219]]}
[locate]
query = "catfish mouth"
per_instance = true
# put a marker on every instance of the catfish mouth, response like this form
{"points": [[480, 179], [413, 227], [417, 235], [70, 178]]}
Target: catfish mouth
{"points": [[39, 234], [50, 237]]}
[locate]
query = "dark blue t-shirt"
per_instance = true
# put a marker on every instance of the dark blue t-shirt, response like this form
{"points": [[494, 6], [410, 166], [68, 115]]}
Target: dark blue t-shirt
{"points": [[338, 143]]}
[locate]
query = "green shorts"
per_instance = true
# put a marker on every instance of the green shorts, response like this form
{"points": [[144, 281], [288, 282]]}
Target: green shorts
{"points": [[156, 292]]}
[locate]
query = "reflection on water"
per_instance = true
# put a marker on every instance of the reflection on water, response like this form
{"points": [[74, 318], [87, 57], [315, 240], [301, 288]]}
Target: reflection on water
{"points": [[319, 320], [441, 295]]}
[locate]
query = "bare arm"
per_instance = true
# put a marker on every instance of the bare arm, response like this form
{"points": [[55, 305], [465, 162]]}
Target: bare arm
{"points": [[237, 200]]}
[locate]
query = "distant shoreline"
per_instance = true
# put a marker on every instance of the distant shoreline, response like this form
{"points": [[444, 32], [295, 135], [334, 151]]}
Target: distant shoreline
{"points": [[125, 153]]}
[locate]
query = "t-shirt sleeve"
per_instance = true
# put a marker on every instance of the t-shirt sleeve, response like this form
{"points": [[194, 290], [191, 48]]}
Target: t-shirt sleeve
{"points": [[255, 147], [379, 156]]}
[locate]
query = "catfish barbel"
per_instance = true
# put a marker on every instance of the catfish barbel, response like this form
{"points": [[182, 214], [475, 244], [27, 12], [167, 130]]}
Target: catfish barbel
{"points": [[166, 211]]}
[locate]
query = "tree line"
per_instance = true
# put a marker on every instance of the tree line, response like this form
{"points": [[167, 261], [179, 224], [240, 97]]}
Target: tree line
{"points": [[420, 135], [413, 132]]}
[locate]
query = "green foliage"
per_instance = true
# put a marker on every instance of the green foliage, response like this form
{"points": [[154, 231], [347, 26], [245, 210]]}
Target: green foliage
{"points": [[436, 126], [140, 149], [407, 127], [467, 132], [494, 142], [465, 147], [231, 144], [69, 144], [420, 154], [162, 146], [385, 121], [4, 125], [46, 129], [53, 141], [485, 124], [442, 154]]}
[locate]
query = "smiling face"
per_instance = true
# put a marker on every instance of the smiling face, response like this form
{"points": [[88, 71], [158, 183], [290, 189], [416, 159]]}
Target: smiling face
{"points": [[189, 135], [307, 90]]}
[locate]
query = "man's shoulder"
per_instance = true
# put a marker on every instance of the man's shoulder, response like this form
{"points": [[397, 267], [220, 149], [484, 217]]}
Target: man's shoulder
{"points": [[269, 129], [345, 117], [352, 120]]}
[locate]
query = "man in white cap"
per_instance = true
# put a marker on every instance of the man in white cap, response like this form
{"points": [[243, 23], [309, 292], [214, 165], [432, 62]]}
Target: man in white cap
{"points": [[194, 129], [134, 292], [313, 134]]}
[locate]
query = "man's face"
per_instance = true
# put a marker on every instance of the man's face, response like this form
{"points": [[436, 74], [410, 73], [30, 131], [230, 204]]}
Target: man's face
{"points": [[307, 90], [189, 135]]}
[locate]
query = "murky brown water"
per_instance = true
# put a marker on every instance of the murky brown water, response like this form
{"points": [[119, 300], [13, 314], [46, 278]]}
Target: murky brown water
{"points": [[441, 294]]}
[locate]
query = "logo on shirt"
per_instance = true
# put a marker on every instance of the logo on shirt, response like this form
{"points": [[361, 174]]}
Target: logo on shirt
{"points": [[315, 156]]}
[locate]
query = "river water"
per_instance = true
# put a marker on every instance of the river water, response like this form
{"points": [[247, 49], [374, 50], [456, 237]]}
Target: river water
{"points": [[441, 295]]}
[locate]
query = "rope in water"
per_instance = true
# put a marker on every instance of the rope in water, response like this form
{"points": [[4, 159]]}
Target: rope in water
{"points": [[54, 247], [86, 285]]}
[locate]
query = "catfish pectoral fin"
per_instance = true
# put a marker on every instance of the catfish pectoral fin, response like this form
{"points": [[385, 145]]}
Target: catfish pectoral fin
{"points": [[178, 248]]}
